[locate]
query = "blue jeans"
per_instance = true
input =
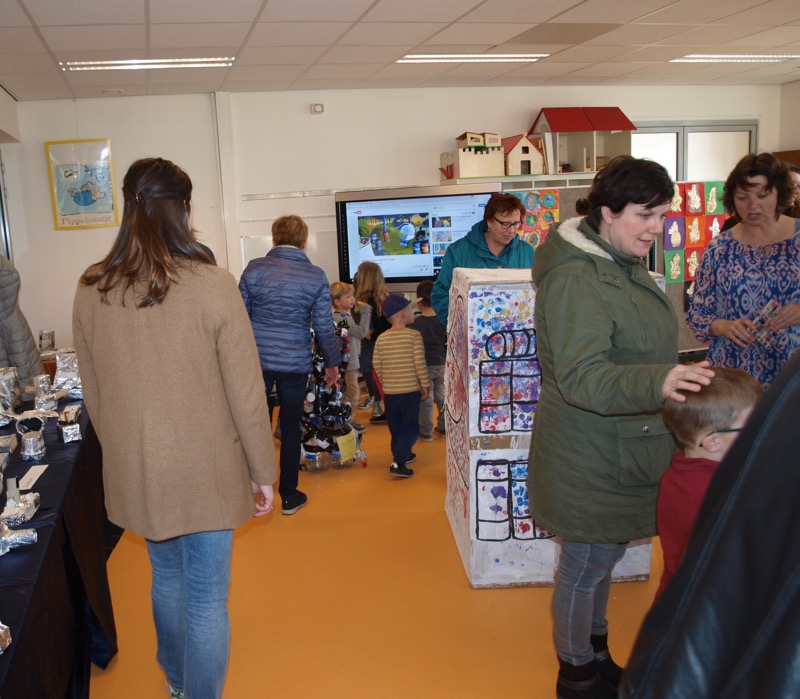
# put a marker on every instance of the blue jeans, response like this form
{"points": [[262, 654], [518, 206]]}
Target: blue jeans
{"points": [[580, 597], [291, 387], [402, 417], [191, 577], [435, 395]]}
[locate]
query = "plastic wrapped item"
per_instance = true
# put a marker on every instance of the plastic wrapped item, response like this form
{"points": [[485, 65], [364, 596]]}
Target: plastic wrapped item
{"points": [[5, 637], [10, 393], [15, 538], [20, 511], [67, 375]]}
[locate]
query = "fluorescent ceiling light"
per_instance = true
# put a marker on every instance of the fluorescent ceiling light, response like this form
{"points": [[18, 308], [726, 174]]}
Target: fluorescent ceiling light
{"points": [[147, 64], [472, 57], [734, 58]]}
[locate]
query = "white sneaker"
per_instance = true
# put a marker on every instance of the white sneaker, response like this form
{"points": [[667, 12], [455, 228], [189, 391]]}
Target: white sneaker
{"points": [[174, 693]]}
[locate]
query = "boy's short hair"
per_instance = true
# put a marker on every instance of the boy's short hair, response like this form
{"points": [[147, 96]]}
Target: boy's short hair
{"points": [[339, 289], [424, 289], [713, 407]]}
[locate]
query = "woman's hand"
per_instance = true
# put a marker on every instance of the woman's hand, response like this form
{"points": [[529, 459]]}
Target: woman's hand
{"points": [[265, 496], [686, 377], [786, 317], [739, 331]]}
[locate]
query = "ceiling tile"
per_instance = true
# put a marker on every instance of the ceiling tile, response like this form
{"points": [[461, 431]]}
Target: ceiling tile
{"points": [[368, 54], [198, 35], [297, 33], [253, 73], [420, 10], [315, 10], [108, 37], [562, 33], [513, 11], [279, 55], [391, 33], [640, 34], [175, 12], [463, 33], [694, 12], [778, 11], [578, 54], [342, 70], [19, 40], [612, 11], [82, 13]]}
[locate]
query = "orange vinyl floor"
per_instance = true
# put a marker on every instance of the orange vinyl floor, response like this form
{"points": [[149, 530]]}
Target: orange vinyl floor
{"points": [[362, 595]]}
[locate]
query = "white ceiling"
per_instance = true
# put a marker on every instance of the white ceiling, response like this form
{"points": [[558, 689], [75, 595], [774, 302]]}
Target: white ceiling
{"points": [[350, 44]]}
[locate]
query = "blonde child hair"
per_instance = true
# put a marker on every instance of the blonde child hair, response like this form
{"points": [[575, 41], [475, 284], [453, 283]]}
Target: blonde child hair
{"points": [[339, 289]]}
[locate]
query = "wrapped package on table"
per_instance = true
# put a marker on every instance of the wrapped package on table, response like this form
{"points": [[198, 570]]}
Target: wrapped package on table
{"points": [[15, 538], [5, 637], [69, 430]]}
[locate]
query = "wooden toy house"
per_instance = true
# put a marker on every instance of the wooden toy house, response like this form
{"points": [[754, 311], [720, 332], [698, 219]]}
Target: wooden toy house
{"points": [[524, 155], [477, 155], [582, 139]]}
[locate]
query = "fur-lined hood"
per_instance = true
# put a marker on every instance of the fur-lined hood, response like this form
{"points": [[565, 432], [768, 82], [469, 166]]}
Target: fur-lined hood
{"points": [[574, 241]]}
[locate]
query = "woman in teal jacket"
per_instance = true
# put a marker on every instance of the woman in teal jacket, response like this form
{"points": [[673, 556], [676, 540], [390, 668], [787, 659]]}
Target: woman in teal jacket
{"points": [[491, 243], [607, 343]]}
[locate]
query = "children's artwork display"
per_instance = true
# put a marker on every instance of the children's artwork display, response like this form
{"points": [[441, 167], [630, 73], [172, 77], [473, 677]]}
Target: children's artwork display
{"points": [[492, 385], [541, 211], [695, 218]]}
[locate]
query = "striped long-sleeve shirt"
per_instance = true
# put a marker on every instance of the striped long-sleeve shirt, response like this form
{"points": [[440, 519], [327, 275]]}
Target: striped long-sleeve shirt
{"points": [[399, 361]]}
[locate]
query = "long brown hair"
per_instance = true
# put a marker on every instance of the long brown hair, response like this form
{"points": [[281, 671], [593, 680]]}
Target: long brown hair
{"points": [[370, 285], [154, 238]]}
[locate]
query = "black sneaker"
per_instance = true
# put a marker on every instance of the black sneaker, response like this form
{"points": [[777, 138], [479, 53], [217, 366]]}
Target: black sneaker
{"points": [[440, 430], [381, 417], [401, 470], [294, 502], [412, 458]]}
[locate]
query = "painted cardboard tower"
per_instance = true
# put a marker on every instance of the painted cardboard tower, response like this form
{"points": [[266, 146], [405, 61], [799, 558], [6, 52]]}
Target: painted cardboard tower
{"points": [[492, 384]]}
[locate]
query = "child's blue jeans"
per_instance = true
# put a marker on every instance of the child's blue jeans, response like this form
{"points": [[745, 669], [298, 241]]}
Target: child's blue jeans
{"points": [[402, 416]]}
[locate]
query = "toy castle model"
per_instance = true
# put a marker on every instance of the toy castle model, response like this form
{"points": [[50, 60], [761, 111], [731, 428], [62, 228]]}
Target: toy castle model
{"points": [[561, 139]]}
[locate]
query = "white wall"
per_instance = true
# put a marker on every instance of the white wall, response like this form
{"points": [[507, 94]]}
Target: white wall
{"points": [[272, 144], [790, 117]]}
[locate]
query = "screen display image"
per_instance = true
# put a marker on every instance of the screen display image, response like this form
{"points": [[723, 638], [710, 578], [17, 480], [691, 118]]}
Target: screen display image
{"points": [[405, 231]]}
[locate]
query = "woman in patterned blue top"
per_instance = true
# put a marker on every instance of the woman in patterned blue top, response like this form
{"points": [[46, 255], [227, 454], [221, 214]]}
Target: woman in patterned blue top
{"points": [[755, 262]]}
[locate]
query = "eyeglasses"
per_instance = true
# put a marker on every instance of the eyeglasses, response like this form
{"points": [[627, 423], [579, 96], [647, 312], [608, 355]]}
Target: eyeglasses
{"points": [[730, 429], [507, 225]]}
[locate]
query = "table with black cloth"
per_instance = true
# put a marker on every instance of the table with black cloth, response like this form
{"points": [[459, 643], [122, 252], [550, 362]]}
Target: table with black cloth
{"points": [[54, 595]]}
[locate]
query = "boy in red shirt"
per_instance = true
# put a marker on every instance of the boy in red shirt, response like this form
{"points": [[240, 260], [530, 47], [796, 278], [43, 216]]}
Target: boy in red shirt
{"points": [[706, 425]]}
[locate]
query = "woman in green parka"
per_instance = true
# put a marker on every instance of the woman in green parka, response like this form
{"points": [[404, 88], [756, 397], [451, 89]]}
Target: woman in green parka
{"points": [[607, 344]]}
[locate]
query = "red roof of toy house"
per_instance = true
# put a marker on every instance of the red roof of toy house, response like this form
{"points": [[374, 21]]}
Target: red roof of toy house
{"points": [[511, 142], [571, 119]]}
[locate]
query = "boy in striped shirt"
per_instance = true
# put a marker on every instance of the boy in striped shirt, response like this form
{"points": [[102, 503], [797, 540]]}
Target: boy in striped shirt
{"points": [[399, 362]]}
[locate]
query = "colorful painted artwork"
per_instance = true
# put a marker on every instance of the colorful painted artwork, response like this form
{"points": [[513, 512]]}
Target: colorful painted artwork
{"points": [[695, 231], [713, 195], [713, 227], [676, 207], [695, 202], [692, 257], [674, 266], [541, 211], [674, 233]]}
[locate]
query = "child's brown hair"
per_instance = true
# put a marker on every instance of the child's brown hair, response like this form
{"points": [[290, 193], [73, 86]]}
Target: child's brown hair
{"points": [[713, 407]]}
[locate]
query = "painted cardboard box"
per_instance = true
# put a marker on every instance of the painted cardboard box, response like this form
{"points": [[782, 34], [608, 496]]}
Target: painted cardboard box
{"points": [[493, 380]]}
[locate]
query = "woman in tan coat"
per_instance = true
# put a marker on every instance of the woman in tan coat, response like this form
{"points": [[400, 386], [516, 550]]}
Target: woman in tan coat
{"points": [[172, 382]]}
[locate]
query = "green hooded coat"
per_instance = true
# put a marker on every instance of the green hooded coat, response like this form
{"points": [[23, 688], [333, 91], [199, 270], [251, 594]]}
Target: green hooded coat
{"points": [[606, 338]]}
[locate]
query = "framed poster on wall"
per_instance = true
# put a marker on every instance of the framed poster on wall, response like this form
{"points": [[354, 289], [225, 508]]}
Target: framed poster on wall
{"points": [[82, 183]]}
